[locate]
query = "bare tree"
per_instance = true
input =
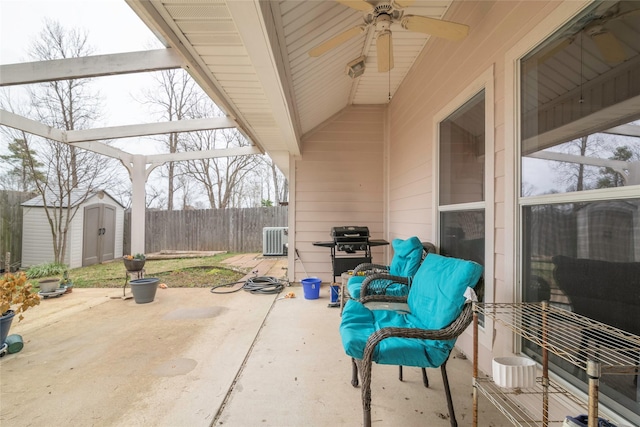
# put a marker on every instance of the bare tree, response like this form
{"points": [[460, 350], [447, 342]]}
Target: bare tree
{"points": [[280, 184], [578, 176], [64, 176], [174, 97], [221, 178], [65, 104]]}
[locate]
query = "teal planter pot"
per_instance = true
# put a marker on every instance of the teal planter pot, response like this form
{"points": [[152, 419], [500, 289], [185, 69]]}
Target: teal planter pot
{"points": [[5, 324]]}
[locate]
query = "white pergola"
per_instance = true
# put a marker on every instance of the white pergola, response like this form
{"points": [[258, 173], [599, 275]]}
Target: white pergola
{"points": [[138, 165]]}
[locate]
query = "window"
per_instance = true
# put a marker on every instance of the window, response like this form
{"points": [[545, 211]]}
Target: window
{"points": [[461, 181], [580, 177]]}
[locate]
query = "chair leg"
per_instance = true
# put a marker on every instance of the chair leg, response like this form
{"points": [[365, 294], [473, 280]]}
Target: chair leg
{"points": [[354, 373], [447, 390], [425, 378], [366, 392], [400, 372]]}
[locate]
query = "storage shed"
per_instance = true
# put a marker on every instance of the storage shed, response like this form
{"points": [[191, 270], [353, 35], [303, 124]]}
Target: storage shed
{"points": [[95, 233]]}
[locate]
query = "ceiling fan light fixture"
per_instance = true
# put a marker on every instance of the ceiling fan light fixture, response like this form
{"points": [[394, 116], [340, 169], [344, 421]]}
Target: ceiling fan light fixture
{"points": [[356, 67]]}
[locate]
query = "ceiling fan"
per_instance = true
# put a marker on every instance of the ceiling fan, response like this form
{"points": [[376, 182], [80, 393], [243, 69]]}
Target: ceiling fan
{"points": [[594, 26], [381, 15]]}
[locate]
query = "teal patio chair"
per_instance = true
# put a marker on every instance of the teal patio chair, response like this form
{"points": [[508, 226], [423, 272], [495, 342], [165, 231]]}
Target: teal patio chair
{"points": [[390, 279], [424, 337]]}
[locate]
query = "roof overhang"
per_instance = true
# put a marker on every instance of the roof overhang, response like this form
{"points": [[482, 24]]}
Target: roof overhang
{"points": [[226, 48]]}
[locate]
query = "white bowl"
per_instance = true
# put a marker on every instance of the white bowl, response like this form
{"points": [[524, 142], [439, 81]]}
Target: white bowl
{"points": [[514, 372]]}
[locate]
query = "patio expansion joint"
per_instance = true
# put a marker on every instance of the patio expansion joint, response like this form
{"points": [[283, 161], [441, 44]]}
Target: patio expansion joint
{"points": [[242, 366]]}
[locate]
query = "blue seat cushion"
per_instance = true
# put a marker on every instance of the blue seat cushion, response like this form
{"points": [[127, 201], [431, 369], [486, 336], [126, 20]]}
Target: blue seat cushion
{"points": [[407, 256], [437, 293], [435, 300], [358, 323], [354, 286]]}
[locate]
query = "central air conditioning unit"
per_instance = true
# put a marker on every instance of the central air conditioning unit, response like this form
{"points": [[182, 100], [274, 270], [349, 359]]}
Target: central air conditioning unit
{"points": [[275, 241]]}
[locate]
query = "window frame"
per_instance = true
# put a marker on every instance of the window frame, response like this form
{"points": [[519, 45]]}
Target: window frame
{"points": [[515, 202], [484, 82]]}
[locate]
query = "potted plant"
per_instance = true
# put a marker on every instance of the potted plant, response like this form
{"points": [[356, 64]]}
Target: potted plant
{"points": [[134, 262], [66, 282], [16, 297]]}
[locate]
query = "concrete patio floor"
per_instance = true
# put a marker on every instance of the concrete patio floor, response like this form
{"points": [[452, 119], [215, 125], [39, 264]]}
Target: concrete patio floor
{"points": [[193, 358]]}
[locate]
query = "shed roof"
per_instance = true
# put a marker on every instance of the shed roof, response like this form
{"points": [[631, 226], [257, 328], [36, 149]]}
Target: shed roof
{"points": [[76, 197]]}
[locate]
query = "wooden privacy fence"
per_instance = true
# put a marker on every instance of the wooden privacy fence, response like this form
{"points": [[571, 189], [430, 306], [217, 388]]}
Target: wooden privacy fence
{"points": [[233, 230], [11, 226]]}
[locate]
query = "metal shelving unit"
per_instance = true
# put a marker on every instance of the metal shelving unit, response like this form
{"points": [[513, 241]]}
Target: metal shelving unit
{"points": [[591, 346]]}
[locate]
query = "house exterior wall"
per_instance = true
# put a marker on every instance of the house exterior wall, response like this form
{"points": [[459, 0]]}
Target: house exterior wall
{"points": [[338, 181], [444, 70]]}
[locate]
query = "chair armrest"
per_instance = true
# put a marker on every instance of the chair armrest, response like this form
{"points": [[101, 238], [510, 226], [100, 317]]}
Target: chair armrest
{"points": [[367, 266], [377, 283]]}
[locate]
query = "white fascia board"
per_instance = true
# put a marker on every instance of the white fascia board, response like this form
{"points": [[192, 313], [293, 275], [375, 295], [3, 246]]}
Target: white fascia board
{"points": [[128, 131], [89, 66], [159, 21], [204, 154], [249, 22], [16, 121]]}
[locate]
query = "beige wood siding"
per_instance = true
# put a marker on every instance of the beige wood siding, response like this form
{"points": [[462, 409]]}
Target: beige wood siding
{"points": [[339, 181], [444, 70]]}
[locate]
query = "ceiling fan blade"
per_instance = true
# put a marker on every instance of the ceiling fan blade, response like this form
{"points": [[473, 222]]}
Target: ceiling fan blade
{"points": [[384, 47], [435, 27], [557, 48], [360, 5], [404, 3], [323, 48], [609, 47]]}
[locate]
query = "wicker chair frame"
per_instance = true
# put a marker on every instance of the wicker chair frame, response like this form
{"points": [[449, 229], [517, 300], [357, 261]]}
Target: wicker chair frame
{"points": [[364, 366]]}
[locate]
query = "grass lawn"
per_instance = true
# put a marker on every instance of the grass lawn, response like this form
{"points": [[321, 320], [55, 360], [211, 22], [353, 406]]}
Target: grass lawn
{"points": [[175, 273]]}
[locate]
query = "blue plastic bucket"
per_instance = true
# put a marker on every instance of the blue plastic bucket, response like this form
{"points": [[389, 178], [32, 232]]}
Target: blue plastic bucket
{"points": [[311, 287]]}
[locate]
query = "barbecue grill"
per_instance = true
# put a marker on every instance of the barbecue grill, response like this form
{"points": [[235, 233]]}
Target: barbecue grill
{"points": [[350, 247]]}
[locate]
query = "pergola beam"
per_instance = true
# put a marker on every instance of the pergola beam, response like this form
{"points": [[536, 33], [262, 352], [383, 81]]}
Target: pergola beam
{"points": [[572, 158], [89, 66], [204, 154], [128, 131], [16, 121]]}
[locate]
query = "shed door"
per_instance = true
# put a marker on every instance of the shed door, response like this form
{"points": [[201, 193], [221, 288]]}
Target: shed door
{"points": [[99, 234], [108, 236], [90, 235]]}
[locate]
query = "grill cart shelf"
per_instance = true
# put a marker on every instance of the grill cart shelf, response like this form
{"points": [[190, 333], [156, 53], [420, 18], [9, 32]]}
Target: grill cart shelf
{"points": [[590, 346]]}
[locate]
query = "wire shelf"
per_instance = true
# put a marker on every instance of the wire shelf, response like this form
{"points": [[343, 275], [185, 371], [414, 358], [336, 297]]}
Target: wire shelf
{"points": [[517, 404], [572, 337]]}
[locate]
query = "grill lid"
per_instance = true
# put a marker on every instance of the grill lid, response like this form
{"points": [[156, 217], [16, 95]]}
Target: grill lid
{"points": [[350, 231]]}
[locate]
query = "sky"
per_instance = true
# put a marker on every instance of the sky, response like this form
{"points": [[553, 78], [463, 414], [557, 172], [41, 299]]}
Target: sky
{"points": [[112, 27]]}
